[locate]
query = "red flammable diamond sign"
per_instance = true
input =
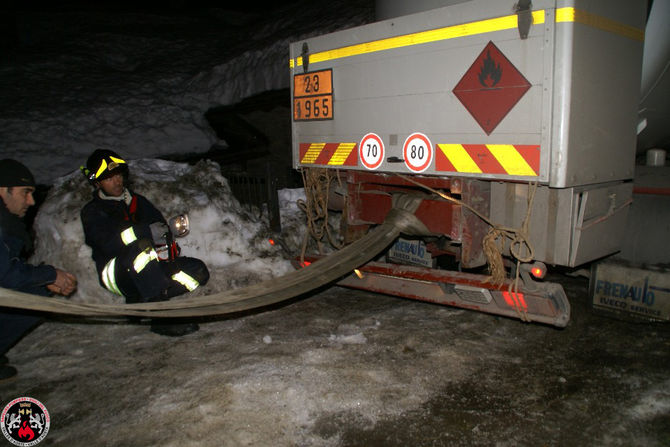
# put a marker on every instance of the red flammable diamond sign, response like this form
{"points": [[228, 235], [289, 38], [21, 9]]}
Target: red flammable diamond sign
{"points": [[490, 88]]}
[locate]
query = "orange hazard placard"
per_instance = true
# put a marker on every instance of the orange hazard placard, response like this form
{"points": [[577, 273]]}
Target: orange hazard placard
{"points": [[313, 96], [314, 83], [314, 108]]}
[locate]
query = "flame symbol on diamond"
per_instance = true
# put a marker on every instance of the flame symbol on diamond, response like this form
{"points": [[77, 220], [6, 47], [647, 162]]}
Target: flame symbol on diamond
{"points": [[490, 73]]}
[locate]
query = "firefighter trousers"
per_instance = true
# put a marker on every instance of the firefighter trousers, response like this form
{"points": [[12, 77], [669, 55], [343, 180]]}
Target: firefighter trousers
{"points": [[138, 274], [15, 323]]}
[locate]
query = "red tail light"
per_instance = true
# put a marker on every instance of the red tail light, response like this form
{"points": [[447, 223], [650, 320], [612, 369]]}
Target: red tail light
{"points": [[515, 300]]}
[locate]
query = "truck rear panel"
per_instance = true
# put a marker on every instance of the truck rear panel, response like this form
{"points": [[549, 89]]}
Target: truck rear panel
{"points": [[457, 92]]}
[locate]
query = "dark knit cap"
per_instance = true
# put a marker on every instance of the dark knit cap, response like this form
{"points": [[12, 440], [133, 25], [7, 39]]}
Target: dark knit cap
{"points": [[13, 173]]}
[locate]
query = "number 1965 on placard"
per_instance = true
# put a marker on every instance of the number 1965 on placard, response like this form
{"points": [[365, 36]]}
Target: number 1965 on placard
{"points": [[316, 108], [313, 96]]}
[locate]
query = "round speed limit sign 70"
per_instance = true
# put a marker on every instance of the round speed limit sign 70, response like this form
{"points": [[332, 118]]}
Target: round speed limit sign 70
{"points": [[418, 152], [371, 151]]}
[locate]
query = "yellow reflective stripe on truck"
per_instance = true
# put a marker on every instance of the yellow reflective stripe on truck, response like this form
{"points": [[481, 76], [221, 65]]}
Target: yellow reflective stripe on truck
{"points": [[312, 153], [434, 35], [521, 160], [470, 29], [341, 154], [510, 159], [331, 154], [605, 24], [458, 156]]}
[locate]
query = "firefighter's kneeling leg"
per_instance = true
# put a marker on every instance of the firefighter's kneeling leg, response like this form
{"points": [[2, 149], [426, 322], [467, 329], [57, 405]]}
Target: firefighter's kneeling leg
{"points": [[139, 275], [186, 275]]}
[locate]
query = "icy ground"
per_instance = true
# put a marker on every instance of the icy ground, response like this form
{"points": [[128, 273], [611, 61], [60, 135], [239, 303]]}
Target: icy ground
{"points": [[334, 368], [351, 368]]}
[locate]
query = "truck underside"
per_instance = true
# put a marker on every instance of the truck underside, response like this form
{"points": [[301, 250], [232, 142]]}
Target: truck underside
{"points": [[446, 263]]}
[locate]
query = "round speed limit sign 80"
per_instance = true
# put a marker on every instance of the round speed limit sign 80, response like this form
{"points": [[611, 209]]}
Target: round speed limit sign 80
{"points": [[418, 152], [371, 151]]}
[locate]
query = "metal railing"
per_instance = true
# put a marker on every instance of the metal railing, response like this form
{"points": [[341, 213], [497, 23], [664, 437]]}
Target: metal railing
{"points": [[255, 190]]}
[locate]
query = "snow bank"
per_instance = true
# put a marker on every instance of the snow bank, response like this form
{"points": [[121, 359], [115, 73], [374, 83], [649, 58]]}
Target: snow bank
{"points": [[229, 238], [141, 83]]}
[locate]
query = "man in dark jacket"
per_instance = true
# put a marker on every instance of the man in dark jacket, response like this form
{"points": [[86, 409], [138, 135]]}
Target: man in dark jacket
{"points": [[123, 228], [16, 189]]}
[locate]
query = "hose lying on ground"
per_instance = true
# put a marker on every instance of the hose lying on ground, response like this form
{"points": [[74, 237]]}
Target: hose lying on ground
{"points": [[400, 219]]}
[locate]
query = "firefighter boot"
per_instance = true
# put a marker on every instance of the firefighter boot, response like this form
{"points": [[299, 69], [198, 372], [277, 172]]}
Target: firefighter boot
{"points": [[171, 329]]}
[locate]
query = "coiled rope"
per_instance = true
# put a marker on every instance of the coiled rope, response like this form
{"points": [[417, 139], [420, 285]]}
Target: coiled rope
{"points": [[315, 206]]}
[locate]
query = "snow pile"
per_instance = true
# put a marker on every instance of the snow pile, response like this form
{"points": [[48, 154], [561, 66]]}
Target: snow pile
{"points": [[264, 66], [231, 239]]}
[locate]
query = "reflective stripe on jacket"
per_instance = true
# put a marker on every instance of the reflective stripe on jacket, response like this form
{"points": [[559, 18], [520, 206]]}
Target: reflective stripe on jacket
{"points": [[107, 222]]}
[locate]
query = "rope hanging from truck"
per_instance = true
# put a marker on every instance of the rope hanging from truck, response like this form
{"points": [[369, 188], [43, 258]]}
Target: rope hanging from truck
{"points": [[317, 191], [494, 241]]}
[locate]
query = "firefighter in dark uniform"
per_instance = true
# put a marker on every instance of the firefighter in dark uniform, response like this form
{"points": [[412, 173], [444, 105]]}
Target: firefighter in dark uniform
{"points": [[16, 193], [123, 228]]}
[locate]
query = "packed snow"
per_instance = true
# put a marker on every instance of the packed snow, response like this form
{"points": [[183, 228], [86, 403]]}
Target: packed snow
{"points": [[233, 240]]}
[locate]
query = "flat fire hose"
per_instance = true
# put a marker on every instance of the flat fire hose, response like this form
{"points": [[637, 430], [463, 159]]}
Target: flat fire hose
{"points": [[400, 219]]}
